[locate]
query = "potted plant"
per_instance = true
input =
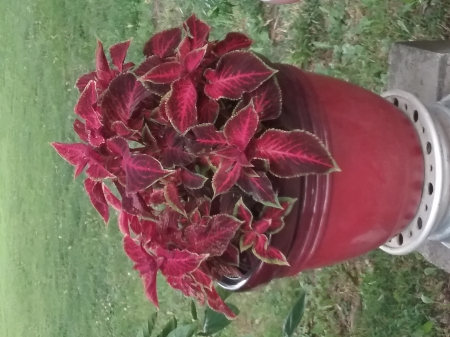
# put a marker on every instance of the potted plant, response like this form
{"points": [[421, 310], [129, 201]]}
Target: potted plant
{"points": [[216, 161]]}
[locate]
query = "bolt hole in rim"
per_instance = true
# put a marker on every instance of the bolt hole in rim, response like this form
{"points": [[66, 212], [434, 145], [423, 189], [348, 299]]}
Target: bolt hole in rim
{"points": [[417, 232]]}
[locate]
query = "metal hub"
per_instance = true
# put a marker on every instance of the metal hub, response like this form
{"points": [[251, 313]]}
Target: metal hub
{"points": [[433, 216]]}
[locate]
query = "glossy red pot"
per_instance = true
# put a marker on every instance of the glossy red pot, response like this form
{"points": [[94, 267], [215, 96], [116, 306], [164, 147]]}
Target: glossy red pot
{"points": [[348, 213]]}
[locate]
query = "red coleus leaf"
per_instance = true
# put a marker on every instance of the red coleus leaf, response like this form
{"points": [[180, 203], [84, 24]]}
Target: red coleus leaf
{"points": [[242, 212], [101, 63], [233, 41], [205, 207], [261, 226], [122, 130], [177, 262], [83, 81], [207, 110], [226, 176], [184, 48], [111, 199], [173, 198], [294, 153], [202, 278], [117, 145], [237, 72], [266, 100], [232, 152], [197, 30], [149, 63], [85, 106], [193, 59], [72, 153], [268, 254], [217, 304], [206, 134], [259, 187], [142, 171], [241, 127], [163, 44], [124, 222], [123, 96], [173, 150], [277, 215], [192, 180], [181, 105], [118, 53], [164, 73], [95, 192], [231, 255], [214, 237], [80, 129], [149, 280], [188, 286], [247, 240]]}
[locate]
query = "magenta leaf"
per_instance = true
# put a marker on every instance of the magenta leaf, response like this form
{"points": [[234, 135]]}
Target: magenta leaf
{"points": [[142, 171], [72, 153], [233, 41], [149, 281], [294, 153], [205, 207], [95, 192], [247, 240], [85, 106], [124, 222], [217, 304], [117, 145], [268, 254], [173, 199], [236, 73], [80, 129], [83, 81], [259, 187], [193, 59], [266, 100], [164, 43], [242, 212], [118, 53], [203, 279], [214, 237], [261, 226], [180, 262], [123, 96], [197, 30], [192, 180], [188, 286], [181, 105], [277, 215], [111, 199], [173, 152], [207, 110], [206, 134], [164, 73], [184, 48], [225, 177], [231, 255], [102, 65], [241, 127], [149, 63]]}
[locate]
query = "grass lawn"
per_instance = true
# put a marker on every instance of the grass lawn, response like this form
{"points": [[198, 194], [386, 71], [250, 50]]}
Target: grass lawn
{"points": [[62, 273]]}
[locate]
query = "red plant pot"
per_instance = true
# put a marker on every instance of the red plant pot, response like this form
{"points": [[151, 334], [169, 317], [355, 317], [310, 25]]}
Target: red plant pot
{"points": [[348, 213]]}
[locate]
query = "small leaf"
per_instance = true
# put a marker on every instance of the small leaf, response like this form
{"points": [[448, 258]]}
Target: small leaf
{"points": [[164, 73], [101, 63], [197, 30], [168, 328], [207, 110], [181, 105], [164, 43], [149, 63], [184, 331], [193, 59], [180, 262], [206, 134], [173, 199], [118, 53], [192, 180], [429, 271], [236, 73], [225, 177], [259, 187], [295, 316], [268, 254], [242, 212], [266, 100], [427, 327], [294, 153], [233, 41], [216, 321], [426, 299], [95, 192], [241, 127], [194, 311]]}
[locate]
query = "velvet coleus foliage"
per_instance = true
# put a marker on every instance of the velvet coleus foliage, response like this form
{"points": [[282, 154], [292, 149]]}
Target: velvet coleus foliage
{"points": [[179, 146]]}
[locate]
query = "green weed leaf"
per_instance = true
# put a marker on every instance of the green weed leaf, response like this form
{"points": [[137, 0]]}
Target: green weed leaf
{"points": [[215, 321], [150, 325], [184, 331], [168, 328], [194, 311], [295, 316]]}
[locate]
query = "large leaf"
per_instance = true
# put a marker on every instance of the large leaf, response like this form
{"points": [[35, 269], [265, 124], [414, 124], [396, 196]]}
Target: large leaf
{"points": [[179, 262], [214, 237], [164, 73], [123, 96], [95, 192], [184, 331], [206, 134], [225, 177], [197, 30], [118, 53], [266, 253], [233, 41], [85, 106], [142, 171], [294, 153], [236, 73], [188, 286], [241, 127], [193, 59], [181, 106], [259, 187], [75, 154], [164, 43], [295, 316]]}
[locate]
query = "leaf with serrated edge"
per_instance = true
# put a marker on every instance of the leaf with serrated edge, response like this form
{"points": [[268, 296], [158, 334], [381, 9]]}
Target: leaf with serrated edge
{"points": [[85, 105], [217, 304], [193, 59], [294, 153], [206, 134], [268, 254], [247, 240], [260, 188], [95, 192], [164, 43], [207, 109], [242, 212], [111, 199], [241, 127], [233, 41], [142, 171], [213, 238], [192, 180], [118, 53], [180, 262], [236, 72], [225, 177], [197, 30], [173, 199], [266, 99], [101, 63], [164, 73], [148, 64], [181, 105]]}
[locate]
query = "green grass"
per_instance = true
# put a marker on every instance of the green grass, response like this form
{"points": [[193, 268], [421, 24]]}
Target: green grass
{"points": [[62, 273]]}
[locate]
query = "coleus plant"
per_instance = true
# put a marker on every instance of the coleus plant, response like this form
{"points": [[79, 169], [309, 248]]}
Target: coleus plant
{"points": [[179, 145]]}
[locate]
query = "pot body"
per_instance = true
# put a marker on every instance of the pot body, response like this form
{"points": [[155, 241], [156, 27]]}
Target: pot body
{"points": [[349, 213]]}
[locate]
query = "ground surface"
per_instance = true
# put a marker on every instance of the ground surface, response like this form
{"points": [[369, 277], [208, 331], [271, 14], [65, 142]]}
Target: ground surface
{"points": [[62, 273]]}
